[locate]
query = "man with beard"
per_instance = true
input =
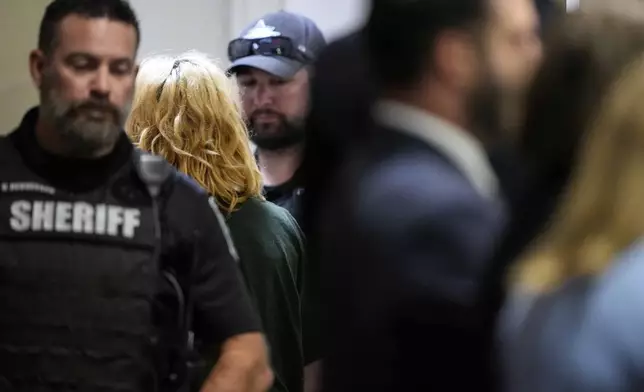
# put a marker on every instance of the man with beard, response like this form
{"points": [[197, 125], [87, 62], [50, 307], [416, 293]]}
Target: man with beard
{"points": [[406, 248], [272, 59], [110, 260]]}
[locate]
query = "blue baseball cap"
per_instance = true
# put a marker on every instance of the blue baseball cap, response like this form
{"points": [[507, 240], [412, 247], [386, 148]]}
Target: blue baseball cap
{"points": [[280, 43]]}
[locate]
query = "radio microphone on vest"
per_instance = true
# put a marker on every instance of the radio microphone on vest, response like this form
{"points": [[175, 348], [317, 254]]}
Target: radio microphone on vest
{"points": [[153, 170]]}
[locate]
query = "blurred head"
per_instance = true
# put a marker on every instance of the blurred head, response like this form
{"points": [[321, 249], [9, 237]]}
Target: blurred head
{"points": [[272, 59], [585, 54], [84, 68], [513, 53], [336, 122], [474, 55], [600, 211], [187, 110]]}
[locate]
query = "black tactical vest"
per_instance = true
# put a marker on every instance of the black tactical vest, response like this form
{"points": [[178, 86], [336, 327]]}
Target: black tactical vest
{"points": [[78, 281]]}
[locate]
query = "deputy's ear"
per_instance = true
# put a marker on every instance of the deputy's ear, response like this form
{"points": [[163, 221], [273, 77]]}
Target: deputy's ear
{"points": [[455, 58], [37, 62]]}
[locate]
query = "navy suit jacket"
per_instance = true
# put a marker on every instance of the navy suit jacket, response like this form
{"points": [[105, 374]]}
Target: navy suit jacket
{"points": [[406, 243]]}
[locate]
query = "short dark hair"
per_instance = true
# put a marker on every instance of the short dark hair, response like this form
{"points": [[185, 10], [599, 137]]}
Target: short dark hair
{"points": [[402, 33], [117, 10], [586, 54]]}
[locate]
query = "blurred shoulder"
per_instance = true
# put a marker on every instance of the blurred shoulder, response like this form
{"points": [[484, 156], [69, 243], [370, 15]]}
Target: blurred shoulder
{"points": [[616, 299], [416, 185]]}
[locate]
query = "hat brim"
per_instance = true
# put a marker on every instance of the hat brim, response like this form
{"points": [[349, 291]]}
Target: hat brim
{"points": [[278, 66]]}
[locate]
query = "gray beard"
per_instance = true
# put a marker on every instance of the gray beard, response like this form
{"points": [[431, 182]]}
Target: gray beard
{"points": [[88, 138], [82, 137]]}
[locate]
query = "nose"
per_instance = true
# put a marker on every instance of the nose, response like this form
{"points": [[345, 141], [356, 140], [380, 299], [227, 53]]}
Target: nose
{"points": [[101, 83], [263, 96]]}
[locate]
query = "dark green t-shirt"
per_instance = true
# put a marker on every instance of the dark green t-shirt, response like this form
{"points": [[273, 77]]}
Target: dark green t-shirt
{"points": [[270, 246]]}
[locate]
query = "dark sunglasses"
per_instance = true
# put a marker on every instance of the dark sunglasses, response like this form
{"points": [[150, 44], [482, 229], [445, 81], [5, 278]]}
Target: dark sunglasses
{"points": [[175, 68], [271, 46]]}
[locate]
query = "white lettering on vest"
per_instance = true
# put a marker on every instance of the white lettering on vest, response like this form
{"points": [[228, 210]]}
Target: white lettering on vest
{"points": [[26, 187], [74, 217]]}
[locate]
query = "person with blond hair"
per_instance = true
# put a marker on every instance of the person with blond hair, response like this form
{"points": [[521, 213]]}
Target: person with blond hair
{"points": [[574, 320], [187, 110]]}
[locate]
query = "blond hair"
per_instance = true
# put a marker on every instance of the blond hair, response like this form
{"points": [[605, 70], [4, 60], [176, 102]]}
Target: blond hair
{"points": [[187, 110], [602, 211]]}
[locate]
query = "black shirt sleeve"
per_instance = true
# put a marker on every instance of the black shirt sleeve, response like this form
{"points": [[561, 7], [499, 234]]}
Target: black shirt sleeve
{"points": [[222, 304]]}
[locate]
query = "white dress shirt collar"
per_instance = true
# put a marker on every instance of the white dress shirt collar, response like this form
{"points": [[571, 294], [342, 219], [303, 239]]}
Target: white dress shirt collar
{"points": [[461, 148]]}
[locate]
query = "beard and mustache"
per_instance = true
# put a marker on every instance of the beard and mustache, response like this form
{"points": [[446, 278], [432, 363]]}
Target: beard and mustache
{"points": [[88, 127], [495, 111], [278, 135], [484, 110]]}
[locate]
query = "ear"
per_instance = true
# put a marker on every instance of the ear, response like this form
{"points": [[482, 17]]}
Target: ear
{"points": [[455, 58], [37, 62], [137, 68]]}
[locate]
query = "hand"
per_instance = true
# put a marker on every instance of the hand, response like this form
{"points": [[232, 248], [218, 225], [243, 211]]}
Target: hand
{"points": [[242, 367], [313, 377]]}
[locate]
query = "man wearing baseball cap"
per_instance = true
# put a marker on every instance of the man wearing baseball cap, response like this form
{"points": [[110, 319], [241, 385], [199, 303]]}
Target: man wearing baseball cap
{"points": [[272, 59]]}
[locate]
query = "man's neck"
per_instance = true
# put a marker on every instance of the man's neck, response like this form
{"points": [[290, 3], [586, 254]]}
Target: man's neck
{"points": [[278, 167], [438, 103]]}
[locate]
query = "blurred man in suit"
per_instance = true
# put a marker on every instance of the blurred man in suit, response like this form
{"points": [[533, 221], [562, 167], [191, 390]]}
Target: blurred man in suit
{"points": [[406, 247], [334, 124]]}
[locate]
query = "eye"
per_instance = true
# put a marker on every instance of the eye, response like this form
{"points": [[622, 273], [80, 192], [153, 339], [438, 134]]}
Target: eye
{"points": [[121, 67], [82, 62], [247, 82], [278, 82]]}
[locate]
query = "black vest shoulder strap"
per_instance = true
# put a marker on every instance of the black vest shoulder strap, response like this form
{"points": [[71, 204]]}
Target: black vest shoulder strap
{"points": [[159, 176]]}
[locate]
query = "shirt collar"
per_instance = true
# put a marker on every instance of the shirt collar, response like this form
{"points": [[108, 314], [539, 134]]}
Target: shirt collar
{"points": [[459, 146]]}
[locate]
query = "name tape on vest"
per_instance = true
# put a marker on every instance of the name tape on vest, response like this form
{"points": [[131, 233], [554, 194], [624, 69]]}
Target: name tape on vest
{"points": [[74, 217], [36, 210]]}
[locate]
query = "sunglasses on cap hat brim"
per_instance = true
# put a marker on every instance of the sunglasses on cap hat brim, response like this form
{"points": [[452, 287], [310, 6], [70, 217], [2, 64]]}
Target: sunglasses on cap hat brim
{"points": [[270, 46]]}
